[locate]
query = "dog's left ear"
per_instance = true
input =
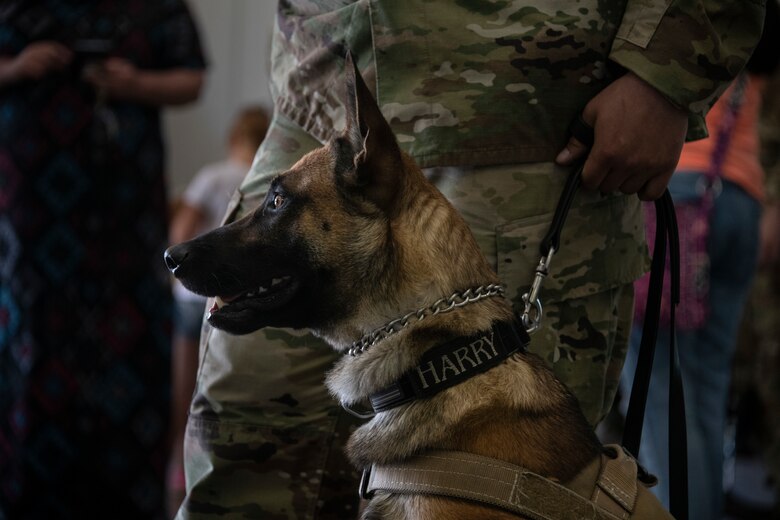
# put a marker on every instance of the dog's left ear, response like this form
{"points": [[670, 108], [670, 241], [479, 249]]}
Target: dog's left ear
{"points": [[376, 164]]}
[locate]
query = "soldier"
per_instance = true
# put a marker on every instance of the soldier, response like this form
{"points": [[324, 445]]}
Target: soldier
{"points": [[481, 93]]}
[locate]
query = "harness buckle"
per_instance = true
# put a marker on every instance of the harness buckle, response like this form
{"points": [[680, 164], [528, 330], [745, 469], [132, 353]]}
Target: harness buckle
{"points": [[363, 491]]}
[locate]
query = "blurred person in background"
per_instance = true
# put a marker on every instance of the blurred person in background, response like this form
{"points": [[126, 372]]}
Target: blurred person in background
{"points": [[755, 393], [706, 350], [85, 302]]}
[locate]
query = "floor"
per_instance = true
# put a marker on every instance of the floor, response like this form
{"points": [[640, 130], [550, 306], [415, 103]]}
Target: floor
{"points": [[749, 494]]}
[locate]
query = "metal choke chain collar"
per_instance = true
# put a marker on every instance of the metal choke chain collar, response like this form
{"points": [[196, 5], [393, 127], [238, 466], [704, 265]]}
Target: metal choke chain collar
{"points": [[458, 299]]}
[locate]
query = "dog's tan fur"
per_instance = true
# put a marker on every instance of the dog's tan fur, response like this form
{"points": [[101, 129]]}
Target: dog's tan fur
{"points": [[393, 243]]}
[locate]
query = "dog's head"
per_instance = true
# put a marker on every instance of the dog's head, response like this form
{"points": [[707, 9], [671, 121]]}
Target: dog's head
{"points": [[337, 244]]}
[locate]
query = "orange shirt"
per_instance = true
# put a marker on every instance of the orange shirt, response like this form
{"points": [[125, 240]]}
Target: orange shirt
{"points": [[741, 164]]}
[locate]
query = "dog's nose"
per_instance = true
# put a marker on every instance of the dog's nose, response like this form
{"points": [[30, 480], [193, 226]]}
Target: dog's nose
{"points": [[174, 256]]}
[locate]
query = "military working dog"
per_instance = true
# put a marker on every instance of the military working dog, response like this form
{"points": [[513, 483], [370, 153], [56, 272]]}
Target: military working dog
{"points": [[347, 241]]}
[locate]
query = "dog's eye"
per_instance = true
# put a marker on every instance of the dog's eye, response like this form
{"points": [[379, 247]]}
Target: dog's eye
{"points": [[278, 201]]}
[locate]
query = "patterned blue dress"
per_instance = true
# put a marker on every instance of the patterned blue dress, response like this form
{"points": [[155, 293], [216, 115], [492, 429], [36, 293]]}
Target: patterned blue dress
{"points": [[85, 303]]}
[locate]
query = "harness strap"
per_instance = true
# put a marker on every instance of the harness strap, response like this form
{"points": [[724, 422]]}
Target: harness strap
{"points": [[616, 488], [513, 488]]}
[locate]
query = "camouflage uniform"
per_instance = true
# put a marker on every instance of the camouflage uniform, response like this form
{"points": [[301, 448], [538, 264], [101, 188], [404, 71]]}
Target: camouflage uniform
{"points": [[491, 85]]}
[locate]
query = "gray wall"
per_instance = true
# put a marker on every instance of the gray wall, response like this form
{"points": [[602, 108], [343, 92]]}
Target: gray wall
{"points": [[236, 35]]}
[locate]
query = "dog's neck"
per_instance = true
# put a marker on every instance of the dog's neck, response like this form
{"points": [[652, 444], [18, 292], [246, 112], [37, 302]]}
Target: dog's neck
{"points": [[520, 390], [441, 259]]}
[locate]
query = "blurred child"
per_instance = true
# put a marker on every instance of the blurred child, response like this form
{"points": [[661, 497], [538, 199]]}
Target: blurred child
{"points": [[201, 209]]}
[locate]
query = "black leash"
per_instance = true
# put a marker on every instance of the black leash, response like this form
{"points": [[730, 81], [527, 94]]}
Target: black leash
{"points": [[666, 225], [678, 468]]}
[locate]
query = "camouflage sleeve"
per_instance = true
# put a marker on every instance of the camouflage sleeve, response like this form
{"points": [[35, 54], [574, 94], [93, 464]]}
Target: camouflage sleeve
{"points": [[689, 50]]}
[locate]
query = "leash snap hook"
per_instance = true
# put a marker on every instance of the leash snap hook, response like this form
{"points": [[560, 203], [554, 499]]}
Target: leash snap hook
{"points": [[532, 322]]}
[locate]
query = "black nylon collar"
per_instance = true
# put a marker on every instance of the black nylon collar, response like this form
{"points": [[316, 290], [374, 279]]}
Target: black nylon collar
{"points": [[451, 363]]}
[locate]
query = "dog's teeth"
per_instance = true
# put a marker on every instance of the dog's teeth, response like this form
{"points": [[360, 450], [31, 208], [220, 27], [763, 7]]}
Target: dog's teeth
{"points": [[250, 294], [261, 290], [276, 281]]}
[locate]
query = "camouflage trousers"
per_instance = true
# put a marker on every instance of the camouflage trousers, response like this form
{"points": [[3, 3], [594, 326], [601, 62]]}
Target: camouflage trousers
{"points": [[265, 439]]}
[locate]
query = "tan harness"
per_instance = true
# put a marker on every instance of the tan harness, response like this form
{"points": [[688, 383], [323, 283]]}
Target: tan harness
{"points": [[606, 489]]}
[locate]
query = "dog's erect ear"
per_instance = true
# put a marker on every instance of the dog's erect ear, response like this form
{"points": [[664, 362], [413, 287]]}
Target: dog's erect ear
{"points": [[376, 164]]}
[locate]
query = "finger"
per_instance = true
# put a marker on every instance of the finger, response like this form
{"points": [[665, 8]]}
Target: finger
{"points": [[573, 151], [653, 189], [657, 183], [632, 184], [612, 181], [595, 169]]}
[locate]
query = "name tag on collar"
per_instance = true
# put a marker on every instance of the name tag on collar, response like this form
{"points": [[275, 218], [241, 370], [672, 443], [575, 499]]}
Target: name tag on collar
{"points": [[452, 363]]}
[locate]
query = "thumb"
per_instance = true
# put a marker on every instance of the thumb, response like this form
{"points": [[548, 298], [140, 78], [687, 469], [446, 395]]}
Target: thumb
{"points": [[573, 150]]}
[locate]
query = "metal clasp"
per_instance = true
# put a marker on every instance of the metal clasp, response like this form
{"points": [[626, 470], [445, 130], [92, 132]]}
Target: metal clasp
{"points": [[363, 492], [532, 322], [360, 415]]}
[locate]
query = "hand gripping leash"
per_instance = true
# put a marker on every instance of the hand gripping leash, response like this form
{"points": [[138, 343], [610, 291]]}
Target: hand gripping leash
{"points": [[666, 225]]}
